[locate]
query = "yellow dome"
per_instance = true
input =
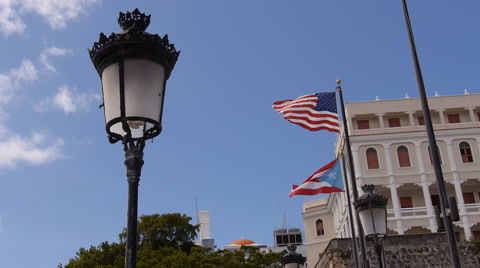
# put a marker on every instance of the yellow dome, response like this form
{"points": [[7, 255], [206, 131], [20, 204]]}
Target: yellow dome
{"points": [[243, 242]]}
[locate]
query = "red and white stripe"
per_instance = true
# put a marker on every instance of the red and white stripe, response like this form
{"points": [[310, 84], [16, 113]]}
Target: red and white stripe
{"points": [[301, 111]]}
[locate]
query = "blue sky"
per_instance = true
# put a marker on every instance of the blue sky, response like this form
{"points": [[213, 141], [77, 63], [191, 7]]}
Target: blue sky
{"points": [[63, 186]]}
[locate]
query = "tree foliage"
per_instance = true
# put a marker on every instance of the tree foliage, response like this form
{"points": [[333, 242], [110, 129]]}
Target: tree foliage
{"points": [[104, 255], [474, 246], [166, 241]]}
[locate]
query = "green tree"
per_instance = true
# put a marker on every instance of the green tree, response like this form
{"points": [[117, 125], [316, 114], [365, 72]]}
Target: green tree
{"points": [[166, 241], [168, 230], [105, 255], [474, 246]]}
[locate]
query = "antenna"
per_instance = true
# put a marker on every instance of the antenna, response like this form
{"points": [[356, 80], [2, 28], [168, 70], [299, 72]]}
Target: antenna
{"points": [[196, 208], [284, 221]]}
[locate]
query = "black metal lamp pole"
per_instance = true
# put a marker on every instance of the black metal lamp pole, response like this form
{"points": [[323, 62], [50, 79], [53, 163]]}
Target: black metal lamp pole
{"points": [[134, 67], [133, 163]]}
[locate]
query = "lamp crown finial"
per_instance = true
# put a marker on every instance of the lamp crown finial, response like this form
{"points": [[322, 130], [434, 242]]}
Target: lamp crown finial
{"points": [[292, 248], [134, 19], [368, 188], [371, 197]]}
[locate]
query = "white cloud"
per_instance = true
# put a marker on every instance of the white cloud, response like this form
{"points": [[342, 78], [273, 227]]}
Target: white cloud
{"points": [[52, 51], [64, 100], [15, 78], [37, 149], [10, 21], [25, 73], [67, 100], [55, 13]]}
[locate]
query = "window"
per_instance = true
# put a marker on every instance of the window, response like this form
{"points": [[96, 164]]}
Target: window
{"points": [[292, 239], [298, 238], [457, 236], [439, 156], [478, 116], [406, 202], [468, 198], [435, 200], [453, 118], [403, 156], [421, 121], [476, 235], [372, 159], [363, 124], [466, 152], [279, 239], [394, 122], [319, 226]]}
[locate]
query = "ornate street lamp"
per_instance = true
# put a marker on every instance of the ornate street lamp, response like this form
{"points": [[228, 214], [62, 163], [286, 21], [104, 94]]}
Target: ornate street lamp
{"points": [[292, 259], [372, 211], [134, 66]]}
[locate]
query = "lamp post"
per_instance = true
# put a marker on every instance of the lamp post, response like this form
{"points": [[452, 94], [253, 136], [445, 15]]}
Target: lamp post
{"points": [[372, 211], [133, 66], [292, 259]]}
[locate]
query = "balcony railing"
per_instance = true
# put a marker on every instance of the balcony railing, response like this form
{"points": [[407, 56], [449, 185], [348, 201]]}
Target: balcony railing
{"points": [[422, 211], [408, 212], [472, 208]]}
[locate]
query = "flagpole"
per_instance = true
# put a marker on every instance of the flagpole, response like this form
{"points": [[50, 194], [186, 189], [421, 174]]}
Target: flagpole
{"points": [[363, 244], [432, 143], [350, 214]]}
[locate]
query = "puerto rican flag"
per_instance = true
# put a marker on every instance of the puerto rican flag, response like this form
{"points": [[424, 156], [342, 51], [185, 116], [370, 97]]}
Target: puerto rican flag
{"points": [[326, 180]]}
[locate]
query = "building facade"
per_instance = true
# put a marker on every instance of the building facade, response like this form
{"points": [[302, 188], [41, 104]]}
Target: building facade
{"points": [[391, 150]]}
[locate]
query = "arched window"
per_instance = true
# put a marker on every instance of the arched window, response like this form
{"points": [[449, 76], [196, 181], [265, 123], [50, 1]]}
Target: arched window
{"points": [[372, 159], [439, 156], [319, 226], [466, 152], [403, 156]]}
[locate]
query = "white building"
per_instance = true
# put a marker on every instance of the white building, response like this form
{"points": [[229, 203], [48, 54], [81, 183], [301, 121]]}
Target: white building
{"points": [[390, 150], [203, 218]]}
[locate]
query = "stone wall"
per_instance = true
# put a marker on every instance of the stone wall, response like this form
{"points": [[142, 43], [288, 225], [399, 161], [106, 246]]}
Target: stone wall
{"points": [[402, 251]]}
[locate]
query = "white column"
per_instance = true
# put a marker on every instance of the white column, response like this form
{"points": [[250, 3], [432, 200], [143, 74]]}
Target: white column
{"points": [[356, 162], [421, 164], [410, 117], [472, 114], [396, 207], [467, 229], [458, 190], [459, 194], [428, 203], [350, 124], [462, 210], [393, 187], [425, 186], [388, 158], [427, 196], [380, 120], [442, 116], [450, 154]]}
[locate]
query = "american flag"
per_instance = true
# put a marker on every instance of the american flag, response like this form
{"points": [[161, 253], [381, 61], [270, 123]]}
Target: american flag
{"points": [[328, 179], [313, 112]]}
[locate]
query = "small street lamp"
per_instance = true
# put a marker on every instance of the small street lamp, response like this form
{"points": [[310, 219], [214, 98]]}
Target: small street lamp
{"points": [[133, 66], [372, 211], [292, 259]]}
